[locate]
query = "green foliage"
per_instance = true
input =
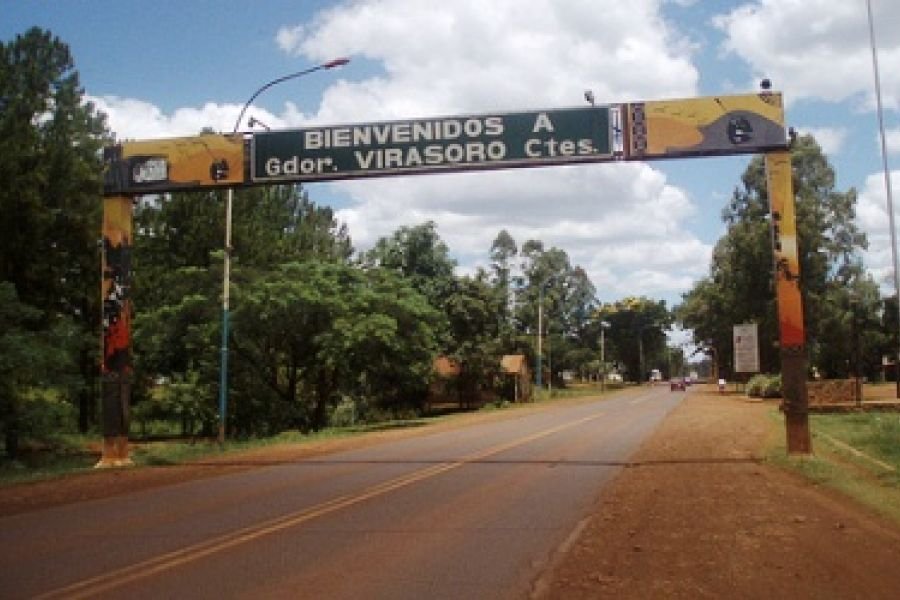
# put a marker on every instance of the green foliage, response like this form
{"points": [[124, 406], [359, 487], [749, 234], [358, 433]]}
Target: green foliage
{"points": [[764, 386], [45, 413], [739, 288], [636, 334], [50, 141], [419, 256], [184, 404], [310, 334], [37, 368]]}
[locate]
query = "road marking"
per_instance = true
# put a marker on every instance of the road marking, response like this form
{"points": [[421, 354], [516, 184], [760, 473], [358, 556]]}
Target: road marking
{"points": [[140, 570]]}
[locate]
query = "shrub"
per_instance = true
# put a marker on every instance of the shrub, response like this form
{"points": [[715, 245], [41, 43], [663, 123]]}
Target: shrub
{"points": [[772, 387], [755, 386], [44, 413], [764, 386]]}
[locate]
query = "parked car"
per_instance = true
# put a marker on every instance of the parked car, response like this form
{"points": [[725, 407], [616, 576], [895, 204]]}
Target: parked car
{"points": [[676, 384]]}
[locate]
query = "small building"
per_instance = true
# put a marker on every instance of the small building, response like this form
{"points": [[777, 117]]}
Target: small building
{"points": [[444, 390], [517, 375]]}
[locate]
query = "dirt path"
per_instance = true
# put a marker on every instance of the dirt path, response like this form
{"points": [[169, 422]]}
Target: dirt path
{"points": [[699, 516]]}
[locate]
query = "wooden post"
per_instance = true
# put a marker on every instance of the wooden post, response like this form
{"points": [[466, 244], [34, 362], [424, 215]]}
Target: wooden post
{"points": [[116, 369], [790, 303]]}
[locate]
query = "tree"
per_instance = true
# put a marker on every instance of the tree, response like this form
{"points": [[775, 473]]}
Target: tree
{"points": [[739, 288], [419, 255], [178, 279], [31, 355], [50, 141], [636, 335], [550, 284], [311, 334], [503, 252], [472, 309]]}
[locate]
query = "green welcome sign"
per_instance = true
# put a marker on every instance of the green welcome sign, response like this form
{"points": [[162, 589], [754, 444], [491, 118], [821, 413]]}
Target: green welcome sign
{"points": [[521, 139]]}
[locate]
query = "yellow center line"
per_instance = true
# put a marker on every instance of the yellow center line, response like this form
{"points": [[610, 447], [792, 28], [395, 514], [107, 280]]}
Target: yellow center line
{"points": [[122, 576]]}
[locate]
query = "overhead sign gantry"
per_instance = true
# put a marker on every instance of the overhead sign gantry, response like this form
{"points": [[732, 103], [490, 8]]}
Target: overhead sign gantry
{"points": [[633, 131], [720, 125]]}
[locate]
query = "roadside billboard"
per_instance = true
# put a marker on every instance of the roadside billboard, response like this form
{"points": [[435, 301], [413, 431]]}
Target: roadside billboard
{"points": [[746, 348]]}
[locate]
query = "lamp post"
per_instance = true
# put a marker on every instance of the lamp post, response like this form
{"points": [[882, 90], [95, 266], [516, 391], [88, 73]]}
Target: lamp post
{"points": [[604, 325], [226, 271], [540, 329], [641, 348]]}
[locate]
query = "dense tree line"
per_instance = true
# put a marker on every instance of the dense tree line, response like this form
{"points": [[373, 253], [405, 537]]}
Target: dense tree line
{"points": [[50, 141], [846, 318]]}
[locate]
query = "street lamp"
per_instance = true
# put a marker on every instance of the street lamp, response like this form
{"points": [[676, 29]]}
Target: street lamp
{"points": [[226, 276], [641, 331], [604, 325], [540, 329]]}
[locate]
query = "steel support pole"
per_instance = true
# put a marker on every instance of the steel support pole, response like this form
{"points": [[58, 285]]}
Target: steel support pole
{"points": [[226, 295]]}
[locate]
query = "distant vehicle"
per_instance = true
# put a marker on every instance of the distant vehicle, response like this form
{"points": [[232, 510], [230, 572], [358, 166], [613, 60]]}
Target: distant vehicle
{"points": [[676, 384], [655, 375]]}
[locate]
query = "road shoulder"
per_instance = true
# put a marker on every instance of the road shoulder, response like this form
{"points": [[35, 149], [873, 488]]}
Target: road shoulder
{"points": [[698, 513]]}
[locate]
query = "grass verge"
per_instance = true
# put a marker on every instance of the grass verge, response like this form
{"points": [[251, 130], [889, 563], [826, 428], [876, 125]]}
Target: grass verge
{"points": [[857, 454]]}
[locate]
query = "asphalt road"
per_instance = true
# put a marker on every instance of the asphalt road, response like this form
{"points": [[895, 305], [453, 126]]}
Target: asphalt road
{"points": [[475, 512]]}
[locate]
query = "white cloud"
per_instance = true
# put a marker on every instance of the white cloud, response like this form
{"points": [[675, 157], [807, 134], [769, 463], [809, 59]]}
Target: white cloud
{"points": [[872, 216], [817, 49], [622, 223], [891, 139], [830, 139], [288, 38], [129, 118], [441, 57]]}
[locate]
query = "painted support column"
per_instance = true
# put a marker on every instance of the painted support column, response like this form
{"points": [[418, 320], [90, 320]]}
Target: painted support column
{"points": [[116, 367], [790, 302]]}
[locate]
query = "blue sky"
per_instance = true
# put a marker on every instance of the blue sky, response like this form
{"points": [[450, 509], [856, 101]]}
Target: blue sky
{"points": [[170, 68]]}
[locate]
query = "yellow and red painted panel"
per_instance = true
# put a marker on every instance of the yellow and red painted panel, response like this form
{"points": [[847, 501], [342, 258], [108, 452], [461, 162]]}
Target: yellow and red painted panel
{"points": [[787, 260], [116, 283], [708, 126], [175, 164]]}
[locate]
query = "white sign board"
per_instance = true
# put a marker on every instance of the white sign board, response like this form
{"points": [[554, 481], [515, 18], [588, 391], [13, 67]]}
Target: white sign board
{"points": [[746, 348]]}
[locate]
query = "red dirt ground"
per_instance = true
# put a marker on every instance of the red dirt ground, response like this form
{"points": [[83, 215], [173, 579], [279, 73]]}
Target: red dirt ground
{"points": [[698, 515]]}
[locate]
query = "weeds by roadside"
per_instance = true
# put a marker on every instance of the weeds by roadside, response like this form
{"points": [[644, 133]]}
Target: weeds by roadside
{"points": [[857, 454]]}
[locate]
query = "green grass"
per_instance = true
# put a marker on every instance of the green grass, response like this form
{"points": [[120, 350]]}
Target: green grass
{"points": [[71, 454], [57, 456], [857, 454]]}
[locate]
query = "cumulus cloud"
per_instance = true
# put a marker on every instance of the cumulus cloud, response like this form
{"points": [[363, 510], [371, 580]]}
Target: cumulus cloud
{"points": [[892, 140], [129, 118], [872, 216], [830, 139], [816, 48], [621, 222]]}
